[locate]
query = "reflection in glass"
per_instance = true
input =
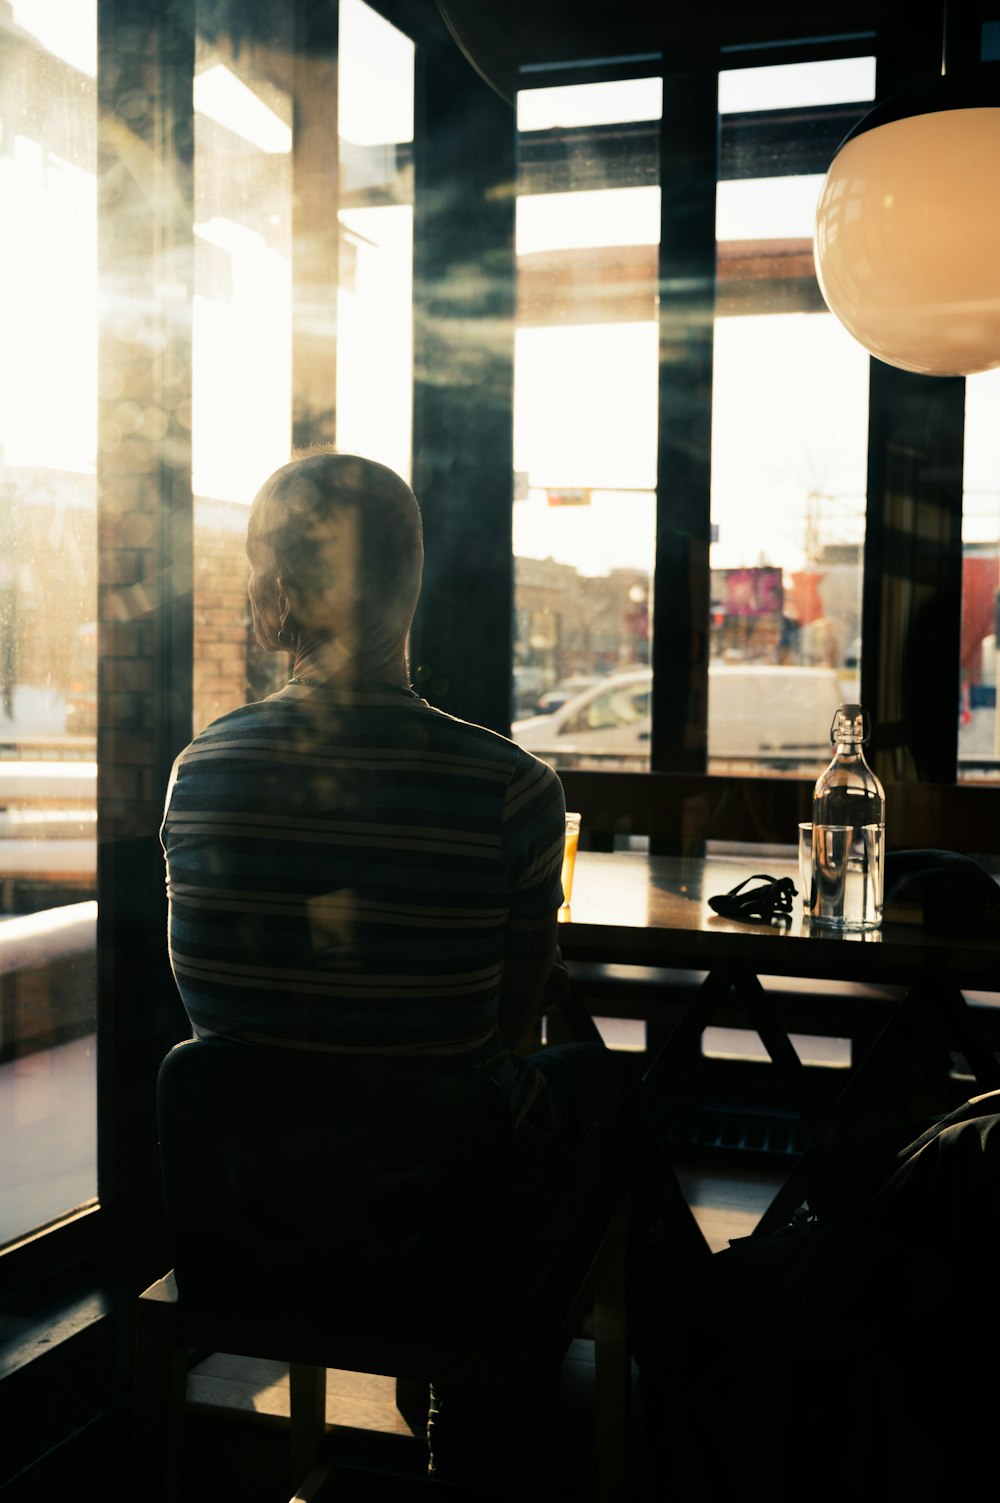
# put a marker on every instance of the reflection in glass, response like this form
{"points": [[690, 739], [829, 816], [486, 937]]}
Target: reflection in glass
{"points": [[48, 610]]}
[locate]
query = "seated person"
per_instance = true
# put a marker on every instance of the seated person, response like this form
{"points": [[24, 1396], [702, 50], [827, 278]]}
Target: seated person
{"points": [[351, 869]]}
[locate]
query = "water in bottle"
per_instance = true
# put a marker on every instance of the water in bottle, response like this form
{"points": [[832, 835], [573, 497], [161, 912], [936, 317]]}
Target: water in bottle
{"points": [[848, 842]]}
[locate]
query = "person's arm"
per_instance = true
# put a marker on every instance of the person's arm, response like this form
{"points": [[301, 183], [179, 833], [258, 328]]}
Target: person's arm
{"points": [[530, 953], [534, 839]]}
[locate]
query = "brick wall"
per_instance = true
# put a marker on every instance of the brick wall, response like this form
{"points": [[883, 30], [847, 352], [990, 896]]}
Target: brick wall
{"points": [[221, 610], [229, 669]]}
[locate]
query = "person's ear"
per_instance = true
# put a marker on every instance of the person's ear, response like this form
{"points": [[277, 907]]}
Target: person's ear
{"points": [[287, 632], [286, 602]]}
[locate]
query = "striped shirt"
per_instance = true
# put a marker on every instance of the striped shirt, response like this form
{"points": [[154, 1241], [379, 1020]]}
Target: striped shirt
{"points": [[341, 868]]}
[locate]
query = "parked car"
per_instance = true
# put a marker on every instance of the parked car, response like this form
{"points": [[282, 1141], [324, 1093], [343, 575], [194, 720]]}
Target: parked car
{"points": [[554, 699], [779, 716]]}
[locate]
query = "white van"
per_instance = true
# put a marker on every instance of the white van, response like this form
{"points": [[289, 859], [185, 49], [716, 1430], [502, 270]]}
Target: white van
{"points": [[756, 712]]}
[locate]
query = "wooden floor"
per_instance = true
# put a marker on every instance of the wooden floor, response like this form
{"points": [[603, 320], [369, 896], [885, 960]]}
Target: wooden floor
{"points": [[725, 1202], [236, 1438]]}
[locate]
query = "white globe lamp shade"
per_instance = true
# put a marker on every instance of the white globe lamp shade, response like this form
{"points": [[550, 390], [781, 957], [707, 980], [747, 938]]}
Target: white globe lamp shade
{"points": [[908, 228]]}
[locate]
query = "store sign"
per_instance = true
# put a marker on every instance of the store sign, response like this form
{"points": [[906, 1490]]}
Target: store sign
{"points": [[569, 498], [753, 592]]}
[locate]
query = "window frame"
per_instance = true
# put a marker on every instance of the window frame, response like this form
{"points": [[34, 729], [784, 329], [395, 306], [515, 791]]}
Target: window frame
{"points": [[693, 135]]}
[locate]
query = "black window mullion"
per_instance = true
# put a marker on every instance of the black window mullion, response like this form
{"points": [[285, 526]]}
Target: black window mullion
{"points": [[603, 70], [576, 158], [912, 601], [784, 143], [315, 224], [688, 167], [145, 230], [463, 306], [800, 50]]}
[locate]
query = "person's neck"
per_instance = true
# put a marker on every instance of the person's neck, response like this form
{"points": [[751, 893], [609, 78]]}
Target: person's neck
{"points": [[330, 663]]}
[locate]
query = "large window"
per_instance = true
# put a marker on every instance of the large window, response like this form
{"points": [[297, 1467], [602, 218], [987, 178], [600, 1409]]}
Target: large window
{"points": [[279, 295], [48, 613], [789, 424]]}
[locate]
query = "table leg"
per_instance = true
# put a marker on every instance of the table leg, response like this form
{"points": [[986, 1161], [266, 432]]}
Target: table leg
{"points": [[931, 1016], [721, 985]]}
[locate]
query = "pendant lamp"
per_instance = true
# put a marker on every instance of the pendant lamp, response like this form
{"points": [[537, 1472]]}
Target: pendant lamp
{"points": [[908, 227]]}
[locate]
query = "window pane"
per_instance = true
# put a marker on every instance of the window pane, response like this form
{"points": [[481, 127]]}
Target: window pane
{"points": [[48, 610], [353, 364], [797, 85], [375, 87], [375, 335], [242, 350], [979, 724], [768, 208], [564, 221], [789, 447], [590, 104], [585, 409], [585, 422]]}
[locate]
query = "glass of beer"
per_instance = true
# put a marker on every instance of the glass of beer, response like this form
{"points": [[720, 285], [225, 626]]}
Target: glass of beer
{"points": [[569, 856]]}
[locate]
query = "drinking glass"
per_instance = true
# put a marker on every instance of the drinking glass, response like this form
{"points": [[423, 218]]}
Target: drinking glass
{"points": [[569, 856], [805, 864], [847, 876]]}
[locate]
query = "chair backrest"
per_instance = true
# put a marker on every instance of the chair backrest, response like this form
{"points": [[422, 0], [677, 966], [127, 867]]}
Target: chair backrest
{"points": [[308, 1185]]}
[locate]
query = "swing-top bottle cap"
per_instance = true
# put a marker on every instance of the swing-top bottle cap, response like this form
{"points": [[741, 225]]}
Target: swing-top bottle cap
{"points": [[849, 724]]}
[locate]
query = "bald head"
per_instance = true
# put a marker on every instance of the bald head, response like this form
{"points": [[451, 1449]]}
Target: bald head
{"points": [[342, 536]]}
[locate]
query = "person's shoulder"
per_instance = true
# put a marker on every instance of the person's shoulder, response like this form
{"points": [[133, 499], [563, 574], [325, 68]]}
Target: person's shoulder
{"points": [[258, 717], [269, 711], [491, 745]]}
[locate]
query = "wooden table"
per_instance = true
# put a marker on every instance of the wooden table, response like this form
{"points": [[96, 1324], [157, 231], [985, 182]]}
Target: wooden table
{"points": [[633, 909]]}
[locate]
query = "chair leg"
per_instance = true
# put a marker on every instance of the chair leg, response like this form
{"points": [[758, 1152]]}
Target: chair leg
{"points": [[161, 1364], [307, 1406], [613, 1367]]}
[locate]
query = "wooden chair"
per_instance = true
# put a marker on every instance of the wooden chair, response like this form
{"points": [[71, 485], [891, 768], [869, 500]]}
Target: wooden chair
{"points": [[335, 1211]]}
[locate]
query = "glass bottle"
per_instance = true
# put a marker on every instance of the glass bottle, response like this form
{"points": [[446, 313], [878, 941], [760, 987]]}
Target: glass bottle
{"points": [[848, 837]]}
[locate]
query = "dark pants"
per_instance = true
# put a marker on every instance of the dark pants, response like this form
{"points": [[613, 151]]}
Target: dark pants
{"points": [[589, 1129]]}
